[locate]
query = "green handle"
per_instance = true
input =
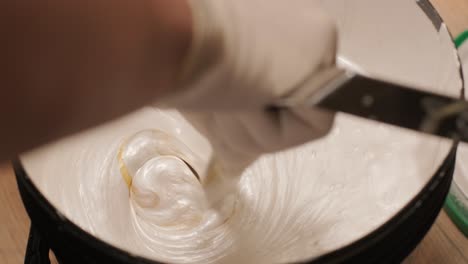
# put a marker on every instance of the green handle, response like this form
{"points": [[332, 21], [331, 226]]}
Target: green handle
{"points": [[461, 38]]}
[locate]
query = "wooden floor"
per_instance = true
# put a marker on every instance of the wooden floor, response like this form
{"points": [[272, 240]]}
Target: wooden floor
{"points": [[443, 244]]}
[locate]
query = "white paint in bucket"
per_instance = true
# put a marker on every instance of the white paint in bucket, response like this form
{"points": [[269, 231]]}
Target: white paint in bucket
{"points": [[297, 204]]}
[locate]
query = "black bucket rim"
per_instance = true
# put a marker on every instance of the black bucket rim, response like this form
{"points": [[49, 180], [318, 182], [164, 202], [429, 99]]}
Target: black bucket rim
{"points": [[363, 248]]}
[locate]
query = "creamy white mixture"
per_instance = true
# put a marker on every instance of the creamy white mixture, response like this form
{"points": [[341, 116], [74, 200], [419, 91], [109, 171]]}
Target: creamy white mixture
{"points": [[289, 206], [127, 183]]}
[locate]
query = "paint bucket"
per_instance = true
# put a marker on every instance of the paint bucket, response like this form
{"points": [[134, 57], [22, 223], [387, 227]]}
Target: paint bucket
{"points": [[399, 40]]}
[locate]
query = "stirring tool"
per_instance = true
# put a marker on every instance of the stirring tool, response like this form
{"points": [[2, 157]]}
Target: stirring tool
{"points": [[387, 102], [383, 101]]}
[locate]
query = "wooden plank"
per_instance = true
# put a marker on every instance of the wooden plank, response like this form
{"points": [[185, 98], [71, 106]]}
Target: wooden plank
{"points": [[457, 238], [438, 246], [454, 13], [14, 222]]}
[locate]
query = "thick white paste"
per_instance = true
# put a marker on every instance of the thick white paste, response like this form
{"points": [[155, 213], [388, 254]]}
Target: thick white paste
{"points": [[297, 204], [291, 205]]}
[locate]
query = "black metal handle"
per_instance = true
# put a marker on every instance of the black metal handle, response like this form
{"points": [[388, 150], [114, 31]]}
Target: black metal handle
{"points": [[37, 250]]}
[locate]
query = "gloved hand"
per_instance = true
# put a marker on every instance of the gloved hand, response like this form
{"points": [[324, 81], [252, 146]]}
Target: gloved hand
{"points": [[245, 56]]}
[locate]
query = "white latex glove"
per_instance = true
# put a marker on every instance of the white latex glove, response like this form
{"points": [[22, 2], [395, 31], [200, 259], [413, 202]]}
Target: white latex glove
{"points": [[246, 55]]}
